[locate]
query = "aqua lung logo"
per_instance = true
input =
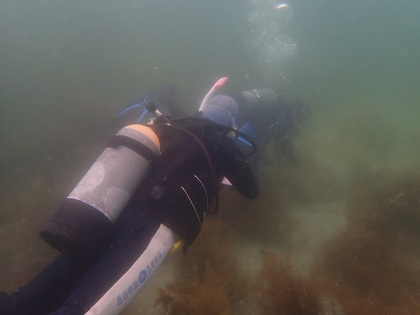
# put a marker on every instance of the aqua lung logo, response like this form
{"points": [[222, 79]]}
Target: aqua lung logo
{"points": [[141, 279]]}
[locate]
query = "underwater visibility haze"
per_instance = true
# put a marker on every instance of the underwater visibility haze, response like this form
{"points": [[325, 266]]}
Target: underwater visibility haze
{"points": [[337, 234]]}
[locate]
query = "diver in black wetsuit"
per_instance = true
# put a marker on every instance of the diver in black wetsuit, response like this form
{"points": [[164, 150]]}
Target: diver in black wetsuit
{"points": [[196, 153], [196, 171]]}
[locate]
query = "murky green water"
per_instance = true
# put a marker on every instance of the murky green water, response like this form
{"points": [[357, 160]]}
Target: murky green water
{"points": [[68, 66]]}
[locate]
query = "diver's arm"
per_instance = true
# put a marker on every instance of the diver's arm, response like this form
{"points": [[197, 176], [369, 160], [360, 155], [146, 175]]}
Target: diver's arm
{"points": [[239, 173], [285, 148], [235, 168]]}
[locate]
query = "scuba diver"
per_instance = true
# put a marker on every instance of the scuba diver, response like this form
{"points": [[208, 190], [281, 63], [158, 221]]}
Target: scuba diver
{"points": [[151, 186], [148, 191], [267, 117]]}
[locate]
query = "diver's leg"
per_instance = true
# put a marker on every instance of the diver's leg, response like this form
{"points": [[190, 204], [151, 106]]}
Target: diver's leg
{"points": [[48, 289], [136, 247]]}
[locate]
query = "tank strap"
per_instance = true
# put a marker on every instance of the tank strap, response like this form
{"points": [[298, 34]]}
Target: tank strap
{"points": [[138, 147]]}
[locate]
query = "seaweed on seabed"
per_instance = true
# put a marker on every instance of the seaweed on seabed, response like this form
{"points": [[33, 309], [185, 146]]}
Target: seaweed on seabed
{"points": [[208, 281], [363, 272], [264, 219], [204, 295], [280, 291], [372, 268]]}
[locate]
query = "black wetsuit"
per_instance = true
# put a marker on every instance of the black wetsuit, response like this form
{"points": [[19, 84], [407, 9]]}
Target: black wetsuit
{"points": [[195, 155]]}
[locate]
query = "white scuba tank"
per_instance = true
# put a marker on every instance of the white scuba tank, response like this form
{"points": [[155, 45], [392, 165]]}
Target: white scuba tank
{"points": [[85, 217]]}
